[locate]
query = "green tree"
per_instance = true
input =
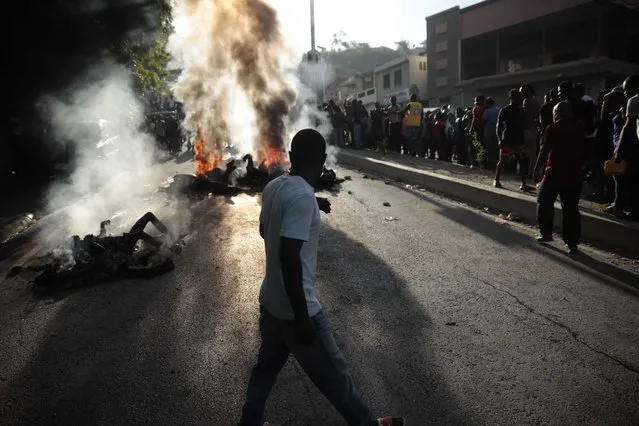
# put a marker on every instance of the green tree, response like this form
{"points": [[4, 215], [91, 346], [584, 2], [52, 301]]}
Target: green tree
{"points": [[146, 55], [403, 47]]}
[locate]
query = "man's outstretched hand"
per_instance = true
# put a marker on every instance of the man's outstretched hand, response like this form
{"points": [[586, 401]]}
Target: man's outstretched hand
{"points": [[323, 204]]}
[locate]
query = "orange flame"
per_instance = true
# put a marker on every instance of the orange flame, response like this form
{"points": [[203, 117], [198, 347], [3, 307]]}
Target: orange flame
{"points": [[205, 160], [273, 156]]}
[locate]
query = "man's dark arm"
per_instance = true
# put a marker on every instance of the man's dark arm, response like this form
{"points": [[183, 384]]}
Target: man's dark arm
{"points": [[627, 138], [500, 126], [543, 154], [292, 275]]}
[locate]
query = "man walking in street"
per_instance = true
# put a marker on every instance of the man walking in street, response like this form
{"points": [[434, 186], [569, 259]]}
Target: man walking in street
{"points": [[559, 169], [291, 317]]}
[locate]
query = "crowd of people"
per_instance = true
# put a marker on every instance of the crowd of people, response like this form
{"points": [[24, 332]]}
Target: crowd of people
{"points": [[558, 145]]}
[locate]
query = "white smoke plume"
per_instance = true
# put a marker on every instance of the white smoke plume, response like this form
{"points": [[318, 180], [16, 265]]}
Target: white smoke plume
{"points": [[238, 82], [100, 120]]}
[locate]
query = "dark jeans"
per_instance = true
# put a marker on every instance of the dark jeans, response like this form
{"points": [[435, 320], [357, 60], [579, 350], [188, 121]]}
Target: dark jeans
{"points": [[632, 180], [323, 363], [571, 226]]}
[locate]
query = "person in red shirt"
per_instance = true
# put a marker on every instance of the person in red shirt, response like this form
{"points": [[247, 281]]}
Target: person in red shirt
{"points": [[559, 168]]}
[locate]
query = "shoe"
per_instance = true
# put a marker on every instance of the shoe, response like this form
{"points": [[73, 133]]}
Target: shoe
{"points": [[391, 421], [573, 248], [544, 238], [497, 184], [525, 188]]}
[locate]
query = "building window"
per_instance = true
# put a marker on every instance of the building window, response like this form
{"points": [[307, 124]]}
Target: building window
{"points": [[386, 81], [442, 46], [361, 94], [441, 82], [397, 77], [424, 65], [441, 64], [441, 28], [370, 92], [421, 66]]}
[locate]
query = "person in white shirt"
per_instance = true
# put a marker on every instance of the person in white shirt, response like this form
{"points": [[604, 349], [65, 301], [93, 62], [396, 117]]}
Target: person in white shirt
{"points": [[291, 317]]}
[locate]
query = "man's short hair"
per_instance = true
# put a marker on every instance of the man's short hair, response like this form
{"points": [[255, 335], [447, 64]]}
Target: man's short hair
{"points": [[490, 102], [514, 94], [529, 88], [308, 147]]}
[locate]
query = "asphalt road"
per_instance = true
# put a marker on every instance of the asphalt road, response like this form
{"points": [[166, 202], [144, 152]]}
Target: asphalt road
{"points": [[445, 317]]}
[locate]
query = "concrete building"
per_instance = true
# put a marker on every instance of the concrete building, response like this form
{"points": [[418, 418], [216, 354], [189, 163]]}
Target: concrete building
{"points": [[401, 78], [497, 45], [365, 88]]}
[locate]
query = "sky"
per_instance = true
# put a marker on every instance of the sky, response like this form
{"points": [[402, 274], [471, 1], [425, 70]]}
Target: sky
{"points": [[377, 22]]}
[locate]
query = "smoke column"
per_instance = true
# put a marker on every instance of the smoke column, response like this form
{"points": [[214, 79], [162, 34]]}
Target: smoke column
{"points": [[233, 83]]}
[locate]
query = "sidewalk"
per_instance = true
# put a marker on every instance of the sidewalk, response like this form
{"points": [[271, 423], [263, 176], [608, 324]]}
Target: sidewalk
{"points": [[474, 186]]}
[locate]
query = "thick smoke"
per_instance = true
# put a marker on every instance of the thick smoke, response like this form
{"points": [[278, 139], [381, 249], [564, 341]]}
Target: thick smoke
{"points": [[99, 121], [238, 81]]}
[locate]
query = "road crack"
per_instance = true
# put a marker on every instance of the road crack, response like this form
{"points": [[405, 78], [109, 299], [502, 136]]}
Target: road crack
{"points": [[573, 333]]}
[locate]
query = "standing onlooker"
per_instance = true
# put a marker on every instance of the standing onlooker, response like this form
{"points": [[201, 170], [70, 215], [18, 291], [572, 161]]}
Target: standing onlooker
{"points": [[628, 148], [531, 130], [477, 126], [614, 105], [461, 123], [338, 120], [394, 126], [377, 127], [292, 320], [562, 158], [491, 145], [512, 141], [414, 111], [545, 112]]}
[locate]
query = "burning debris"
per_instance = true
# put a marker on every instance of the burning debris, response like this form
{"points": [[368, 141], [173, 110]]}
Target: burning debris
{"points": [[92, 259], [241, 176]]}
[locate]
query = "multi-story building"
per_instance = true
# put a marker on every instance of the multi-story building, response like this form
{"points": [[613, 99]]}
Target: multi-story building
{"points": [[401, 78], [497, 45], [365, 88]]}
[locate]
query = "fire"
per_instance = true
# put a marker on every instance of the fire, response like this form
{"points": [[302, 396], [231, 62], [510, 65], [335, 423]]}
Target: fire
{"points": [[205, 160], [274, 156]]}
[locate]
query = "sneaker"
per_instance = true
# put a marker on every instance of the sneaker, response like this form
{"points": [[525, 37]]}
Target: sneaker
{"points": [[391, 421], [573, 248], [497, 184], [544, 238]]}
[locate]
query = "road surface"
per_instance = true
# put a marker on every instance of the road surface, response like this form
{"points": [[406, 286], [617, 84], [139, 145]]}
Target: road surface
{"points": [[445, 317]]}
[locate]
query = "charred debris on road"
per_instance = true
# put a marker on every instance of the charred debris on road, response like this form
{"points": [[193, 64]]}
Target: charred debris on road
{"points": [[136, 254], [240, 176], [101, 258]]}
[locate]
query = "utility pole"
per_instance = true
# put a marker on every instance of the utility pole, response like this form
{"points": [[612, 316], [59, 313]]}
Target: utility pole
{"points": [[313, 26]]}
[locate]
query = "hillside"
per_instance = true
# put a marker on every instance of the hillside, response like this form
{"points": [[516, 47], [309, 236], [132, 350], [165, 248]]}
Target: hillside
{"points": [[357, 59]]}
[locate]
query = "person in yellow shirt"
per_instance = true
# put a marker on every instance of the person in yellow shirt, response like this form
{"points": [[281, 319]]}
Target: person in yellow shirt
{"points": [[413, 120]]}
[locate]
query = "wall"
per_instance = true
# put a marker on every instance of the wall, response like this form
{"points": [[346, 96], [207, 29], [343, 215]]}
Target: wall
{"points": [[418, 75], [383, 93], [442, 29], [480, 19]]}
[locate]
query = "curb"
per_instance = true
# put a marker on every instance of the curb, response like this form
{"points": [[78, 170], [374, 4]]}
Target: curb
{"points": [[596, 229]]}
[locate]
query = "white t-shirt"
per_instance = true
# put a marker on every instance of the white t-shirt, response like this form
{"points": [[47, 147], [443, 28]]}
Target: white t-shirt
{"points": [[289, 209]]}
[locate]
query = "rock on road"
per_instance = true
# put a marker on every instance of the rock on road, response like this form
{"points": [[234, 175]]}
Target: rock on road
{"points": [[444, 316]]}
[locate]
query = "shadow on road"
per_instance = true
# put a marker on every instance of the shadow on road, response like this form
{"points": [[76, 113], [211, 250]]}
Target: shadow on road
{"points": [[116, 353], [384, 333], [505, 235]]}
